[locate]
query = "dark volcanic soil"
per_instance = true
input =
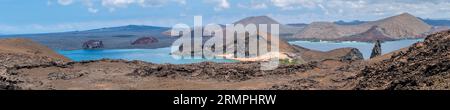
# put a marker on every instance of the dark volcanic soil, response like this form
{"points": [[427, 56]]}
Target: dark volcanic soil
{"points": [[232, 72]]}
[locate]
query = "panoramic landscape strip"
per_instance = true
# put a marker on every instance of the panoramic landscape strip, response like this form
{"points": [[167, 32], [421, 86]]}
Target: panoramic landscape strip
{"points": [[225, 45]]}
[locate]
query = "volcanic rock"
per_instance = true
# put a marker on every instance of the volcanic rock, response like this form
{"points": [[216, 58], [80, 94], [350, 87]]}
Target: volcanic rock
{"points": [[93, 44], [6, 81], [64, 76], [353, 55], [298, 84], [23, 53], [224, 72], [376, 51], [241, 47]]}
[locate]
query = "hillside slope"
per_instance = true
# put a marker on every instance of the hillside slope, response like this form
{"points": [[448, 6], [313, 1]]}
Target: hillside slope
{"points": [[422, 66], [28, 47], [286, 31]]}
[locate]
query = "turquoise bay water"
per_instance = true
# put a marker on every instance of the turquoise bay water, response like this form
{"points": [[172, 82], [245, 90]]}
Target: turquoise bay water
{"points": [[364, 47], [161, 55]]}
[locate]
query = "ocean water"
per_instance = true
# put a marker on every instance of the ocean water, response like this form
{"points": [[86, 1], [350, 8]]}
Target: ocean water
{"points": [[161, 55], [364, 47], [158, 56]]}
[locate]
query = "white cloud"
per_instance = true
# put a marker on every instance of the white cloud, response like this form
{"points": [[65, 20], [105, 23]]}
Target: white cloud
{"points": [[366, 9], [63, 27], [182, 2], [91, 6], [49, 3], [324, 9], [224, 4], [93, 10], [253, 5], [219, 4], [142, 3], [65, 2], [259, 6], [294, 4], [152, 3], [114, 4]]}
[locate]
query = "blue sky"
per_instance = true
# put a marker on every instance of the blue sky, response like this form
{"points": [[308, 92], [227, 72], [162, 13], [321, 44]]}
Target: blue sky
{"points": [[41, 16]]}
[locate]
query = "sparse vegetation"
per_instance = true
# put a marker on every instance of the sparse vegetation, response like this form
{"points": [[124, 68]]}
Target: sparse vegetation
{"points": [[289, 61]]}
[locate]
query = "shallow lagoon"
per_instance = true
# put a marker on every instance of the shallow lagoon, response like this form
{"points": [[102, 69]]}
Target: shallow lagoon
{"points": [[161, 55]]}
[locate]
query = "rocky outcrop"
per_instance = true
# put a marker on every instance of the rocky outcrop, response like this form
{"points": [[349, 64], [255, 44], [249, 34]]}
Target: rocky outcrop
{"points": [[341, 54], [93, 44], [7, 82], [352, 55], [145, 41], [422, 66], [243, 49], [64, 76], [233, 72], [376, 51], [11, 60]]}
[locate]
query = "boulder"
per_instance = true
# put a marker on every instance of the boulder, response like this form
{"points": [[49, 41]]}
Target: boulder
{"points": [[93, 44], [352, 55]]}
